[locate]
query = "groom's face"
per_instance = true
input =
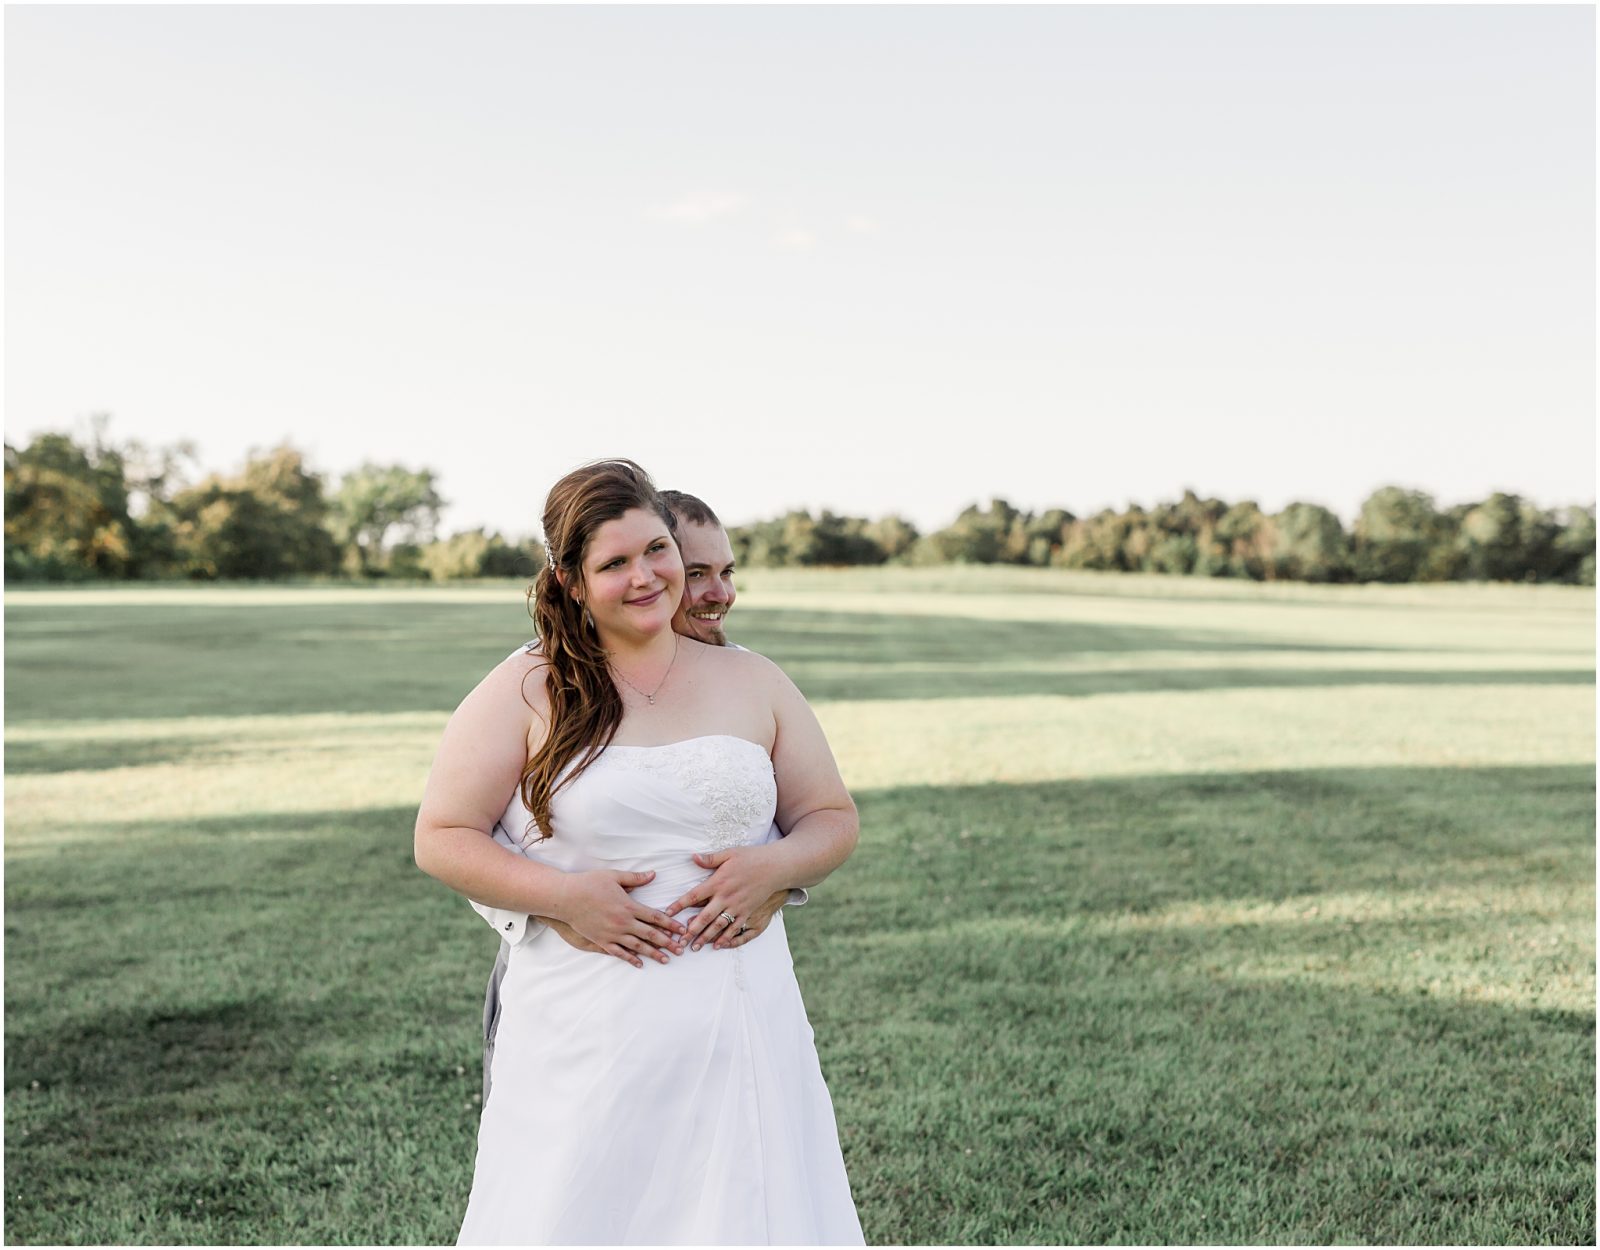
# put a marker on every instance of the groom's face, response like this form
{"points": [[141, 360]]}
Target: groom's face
{"points": [[708, 591]]}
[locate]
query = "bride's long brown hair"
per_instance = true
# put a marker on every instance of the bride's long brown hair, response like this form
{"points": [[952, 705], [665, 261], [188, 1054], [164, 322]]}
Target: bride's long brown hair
{"points": [[585, 705]]}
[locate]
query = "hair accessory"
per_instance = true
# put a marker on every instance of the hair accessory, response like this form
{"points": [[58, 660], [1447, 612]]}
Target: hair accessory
{"points": [[550, 559]]}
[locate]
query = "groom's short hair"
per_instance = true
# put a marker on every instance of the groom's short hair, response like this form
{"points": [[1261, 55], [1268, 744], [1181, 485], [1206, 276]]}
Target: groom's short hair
{"points": [[688, 508]]}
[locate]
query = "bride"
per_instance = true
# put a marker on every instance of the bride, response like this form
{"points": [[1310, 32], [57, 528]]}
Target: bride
{"points": [[671, 1094]]}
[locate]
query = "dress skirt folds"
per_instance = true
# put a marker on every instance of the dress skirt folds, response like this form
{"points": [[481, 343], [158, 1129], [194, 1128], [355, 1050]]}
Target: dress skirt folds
{"points": [[673, 1104]]}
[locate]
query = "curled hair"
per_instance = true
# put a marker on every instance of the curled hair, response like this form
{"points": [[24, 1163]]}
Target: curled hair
{"points": [[689, 509], [585, 705]]}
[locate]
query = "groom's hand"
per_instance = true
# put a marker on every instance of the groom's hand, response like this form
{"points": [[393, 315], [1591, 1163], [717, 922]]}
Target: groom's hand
{"points": [[571, 936]]}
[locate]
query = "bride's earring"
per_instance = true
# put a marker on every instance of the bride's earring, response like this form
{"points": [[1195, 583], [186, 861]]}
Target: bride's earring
{"points": [[588, 619]]}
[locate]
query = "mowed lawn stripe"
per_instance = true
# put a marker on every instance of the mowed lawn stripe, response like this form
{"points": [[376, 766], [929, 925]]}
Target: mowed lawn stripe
{"points": [[80, 778], [1183, 912]]}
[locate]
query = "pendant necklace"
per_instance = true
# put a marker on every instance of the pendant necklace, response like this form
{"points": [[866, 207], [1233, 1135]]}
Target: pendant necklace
{"points": [[650, 695]]}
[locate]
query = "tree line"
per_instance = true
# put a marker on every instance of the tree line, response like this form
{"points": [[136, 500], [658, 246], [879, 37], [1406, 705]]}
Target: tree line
{"points": [[1400, 535], [90, 508]]}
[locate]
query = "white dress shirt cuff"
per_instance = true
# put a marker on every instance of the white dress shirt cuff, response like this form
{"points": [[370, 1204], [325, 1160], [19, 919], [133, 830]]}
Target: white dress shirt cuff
{"points": [[512, 926]]}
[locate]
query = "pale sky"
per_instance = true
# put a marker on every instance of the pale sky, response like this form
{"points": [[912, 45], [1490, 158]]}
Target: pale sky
{"points": [[877, 259]]}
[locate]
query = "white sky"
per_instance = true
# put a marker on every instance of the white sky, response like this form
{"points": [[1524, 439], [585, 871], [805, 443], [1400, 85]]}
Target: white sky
{"points": [[873, 259]]}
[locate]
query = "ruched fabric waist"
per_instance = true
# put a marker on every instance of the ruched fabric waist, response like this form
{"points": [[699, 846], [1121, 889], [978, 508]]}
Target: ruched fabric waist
{"points": [[675, 877]]}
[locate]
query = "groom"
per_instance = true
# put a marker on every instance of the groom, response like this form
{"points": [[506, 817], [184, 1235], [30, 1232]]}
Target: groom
{"points": [[708, 595]]}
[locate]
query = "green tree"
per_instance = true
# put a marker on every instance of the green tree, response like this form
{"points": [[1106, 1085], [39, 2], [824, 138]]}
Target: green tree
{"points": [[374, 501], [154, 476], [67, 509], [894, 536], [1172, 553], [760, 545], [1310, 544], [1505, 539], [797, 538], [843, 540], [508, 557], [224, 532], [1395, 533], [403, 562], [1043, 536], [993, 535], [1575, 546], [479, 553], [1541, 532], [267, 521], [1178, 537], [1446, 558], [775, 543], [1247, 537], [1099, 541]]}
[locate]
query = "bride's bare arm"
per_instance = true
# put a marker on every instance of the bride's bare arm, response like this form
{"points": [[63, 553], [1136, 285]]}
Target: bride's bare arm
{"points": [[474, 775], [813, 805]]}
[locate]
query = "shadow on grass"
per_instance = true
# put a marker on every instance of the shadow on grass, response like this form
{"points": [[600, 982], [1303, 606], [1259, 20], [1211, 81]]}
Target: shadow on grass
{"points": [[1140, 843], [1504, 599], [162, 1049], [841, 655], [285, 1026], [194, 660], [869, 638], [96, 754], [839, 682], [1103, 844], [252, 659], [336, 853]]}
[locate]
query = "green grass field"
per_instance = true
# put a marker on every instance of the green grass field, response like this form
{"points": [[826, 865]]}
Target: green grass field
{"points": [[1184, 911]]}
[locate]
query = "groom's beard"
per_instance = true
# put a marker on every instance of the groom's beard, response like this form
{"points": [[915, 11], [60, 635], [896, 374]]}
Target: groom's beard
{"points": [[713, 633], [708, 630]]}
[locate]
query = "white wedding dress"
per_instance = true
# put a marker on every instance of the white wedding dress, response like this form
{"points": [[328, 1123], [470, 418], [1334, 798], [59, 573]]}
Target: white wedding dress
{"points": [[678, 1103]]}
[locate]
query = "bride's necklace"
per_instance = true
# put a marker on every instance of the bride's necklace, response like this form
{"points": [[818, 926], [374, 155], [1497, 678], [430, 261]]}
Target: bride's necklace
{"points": [[650, 695]]}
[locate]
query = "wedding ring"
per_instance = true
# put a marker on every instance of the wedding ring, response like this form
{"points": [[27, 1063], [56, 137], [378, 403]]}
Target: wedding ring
{"points": [[727, 917]]}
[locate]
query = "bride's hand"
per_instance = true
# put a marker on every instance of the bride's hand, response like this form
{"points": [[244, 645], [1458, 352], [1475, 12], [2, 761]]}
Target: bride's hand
{"points": [[598, 907], [755, 924], [741, 885]]}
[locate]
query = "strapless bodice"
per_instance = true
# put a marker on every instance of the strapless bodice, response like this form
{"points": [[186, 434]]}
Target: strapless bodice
{"points": [[652, 808]]}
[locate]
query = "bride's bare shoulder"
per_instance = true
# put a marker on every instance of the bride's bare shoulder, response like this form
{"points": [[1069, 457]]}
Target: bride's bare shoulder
{"points": [[747, 666], [517, 680], [729, 657]]}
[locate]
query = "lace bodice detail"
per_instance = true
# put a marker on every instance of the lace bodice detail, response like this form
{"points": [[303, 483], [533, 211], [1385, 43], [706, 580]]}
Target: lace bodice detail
{"points": [[731, 776], [653, 808]]}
